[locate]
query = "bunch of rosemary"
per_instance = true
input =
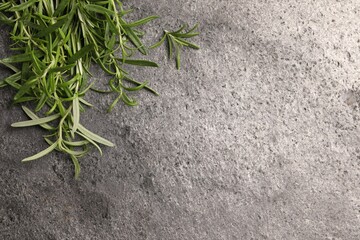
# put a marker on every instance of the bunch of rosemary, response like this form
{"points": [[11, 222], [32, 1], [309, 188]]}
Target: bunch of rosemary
{"points": [[56, 42]]}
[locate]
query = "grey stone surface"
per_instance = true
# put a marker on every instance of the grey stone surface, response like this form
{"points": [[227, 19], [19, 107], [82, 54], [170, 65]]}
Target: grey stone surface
{"points": [[256, 138]]}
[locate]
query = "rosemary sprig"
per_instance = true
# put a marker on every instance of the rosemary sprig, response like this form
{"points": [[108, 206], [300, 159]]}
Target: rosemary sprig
{"points": [[58, 41], [176, 40]]}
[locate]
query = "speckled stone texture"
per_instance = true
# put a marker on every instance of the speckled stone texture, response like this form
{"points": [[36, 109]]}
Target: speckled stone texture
{"points": [[256, 138]]}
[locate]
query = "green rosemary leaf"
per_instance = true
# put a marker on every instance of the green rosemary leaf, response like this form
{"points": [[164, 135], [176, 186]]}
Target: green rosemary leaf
{"points": [[193, 28], [76, 144], [76, 166], [138, 83], [94, 137], [3, 83], [138, 62], [13, 82], [41, 154], [137, 88], [186, 35], [35, 122], [13, 78], [5, 5], [180, 29], [110, 24], [85, 102], [112, 105], [170, 46], [50, 29], [128, 101], [61, 7], [81, 53], [186, 43], [98, 9], [140, 22], [76, 114], [92, 142], [41, 102], [62, 69], [134, 38], [4, 19], [158, 44], [73, 152], [25, 88], [22, 6], [177, 54], [25, 99], [25, 57]]}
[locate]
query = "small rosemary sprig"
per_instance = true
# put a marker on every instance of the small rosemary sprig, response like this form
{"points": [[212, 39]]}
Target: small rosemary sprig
{"points": [[58, 41], [176, 40]]}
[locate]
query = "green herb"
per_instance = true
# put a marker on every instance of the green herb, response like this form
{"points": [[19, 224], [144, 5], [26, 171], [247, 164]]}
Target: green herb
{"points": [[177, 40], [57, 41]]}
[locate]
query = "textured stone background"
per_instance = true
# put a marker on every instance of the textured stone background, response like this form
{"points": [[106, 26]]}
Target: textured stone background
{"points": [[256, 138]]}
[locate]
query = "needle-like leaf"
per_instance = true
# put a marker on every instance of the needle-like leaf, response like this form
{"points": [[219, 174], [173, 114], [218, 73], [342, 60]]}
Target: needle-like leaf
{"points": [[50, 29], [76, 115], [138, 62], [141, 21], [34, 117], [81, 53], [35, 122], [76, 166], [23, 6], [41, 154], [94, 137]]}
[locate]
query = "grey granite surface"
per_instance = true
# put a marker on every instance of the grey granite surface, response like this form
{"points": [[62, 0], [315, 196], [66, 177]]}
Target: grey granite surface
{"points": [[256, 137]]}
